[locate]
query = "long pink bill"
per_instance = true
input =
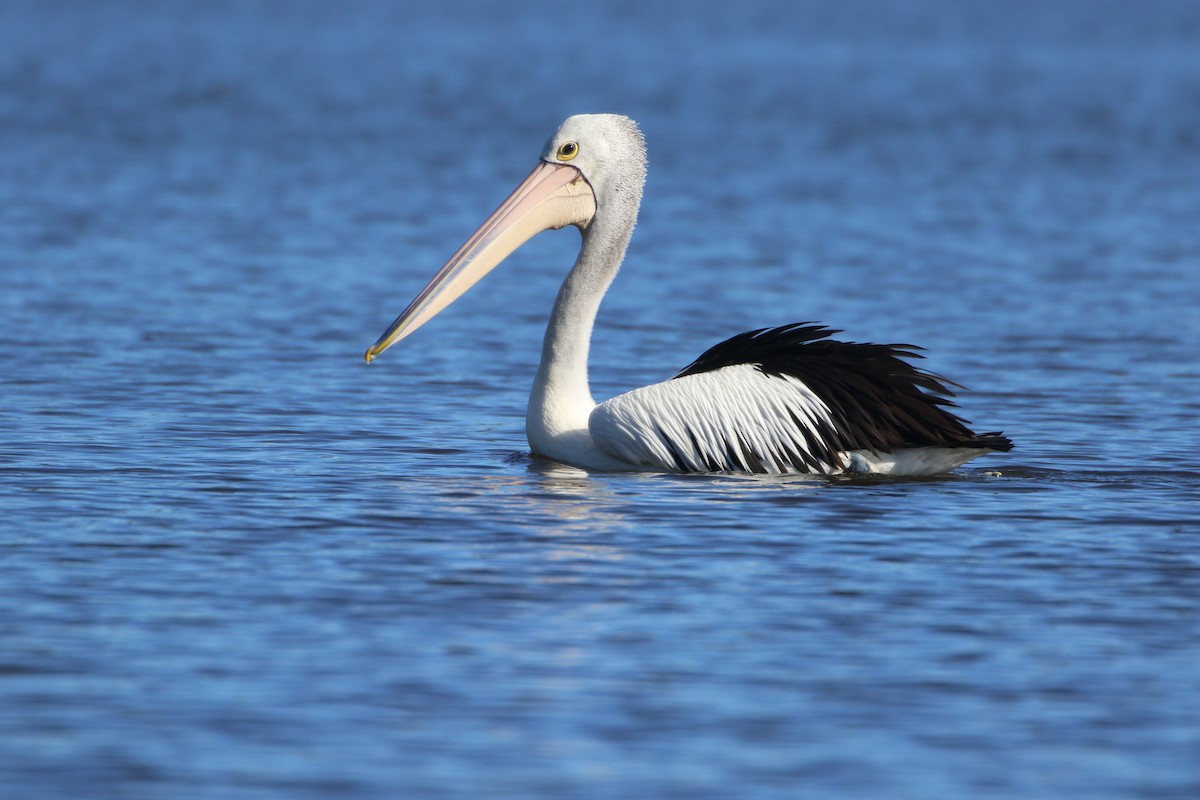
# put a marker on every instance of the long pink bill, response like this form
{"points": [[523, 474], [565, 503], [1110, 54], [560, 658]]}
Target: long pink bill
{"points": [[553, 196]]}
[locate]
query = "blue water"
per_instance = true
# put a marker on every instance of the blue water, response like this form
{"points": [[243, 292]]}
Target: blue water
{"points": [[238, 563]]}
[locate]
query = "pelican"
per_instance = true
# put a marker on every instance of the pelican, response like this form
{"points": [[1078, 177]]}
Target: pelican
{"points": [[775, 400]]}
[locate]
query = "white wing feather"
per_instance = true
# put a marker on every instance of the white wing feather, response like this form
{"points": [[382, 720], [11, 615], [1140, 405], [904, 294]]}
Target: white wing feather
{"points": [[732, 419]]}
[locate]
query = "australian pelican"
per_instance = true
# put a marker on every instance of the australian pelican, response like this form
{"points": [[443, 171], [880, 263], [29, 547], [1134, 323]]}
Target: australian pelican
{"points": [[775, 400]]}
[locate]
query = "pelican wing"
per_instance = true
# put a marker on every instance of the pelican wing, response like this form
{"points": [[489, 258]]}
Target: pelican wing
{"points": [[783, 400]]}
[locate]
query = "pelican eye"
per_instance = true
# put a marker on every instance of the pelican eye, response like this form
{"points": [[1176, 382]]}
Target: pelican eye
{"points": [[567, 151]]}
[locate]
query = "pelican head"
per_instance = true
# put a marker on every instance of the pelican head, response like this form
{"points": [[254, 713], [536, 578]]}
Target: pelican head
{"points": [[594, 164]]}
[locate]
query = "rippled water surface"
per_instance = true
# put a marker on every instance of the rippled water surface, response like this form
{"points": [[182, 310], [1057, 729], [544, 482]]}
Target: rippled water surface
{"points": [[238, 563]]}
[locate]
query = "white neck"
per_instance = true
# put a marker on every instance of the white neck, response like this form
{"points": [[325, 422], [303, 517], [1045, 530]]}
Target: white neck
{"points": [[560, 402], [612, 159]]}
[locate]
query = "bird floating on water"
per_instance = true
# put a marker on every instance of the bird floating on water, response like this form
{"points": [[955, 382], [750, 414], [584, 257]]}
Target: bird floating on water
{"points": [[774, 400]]}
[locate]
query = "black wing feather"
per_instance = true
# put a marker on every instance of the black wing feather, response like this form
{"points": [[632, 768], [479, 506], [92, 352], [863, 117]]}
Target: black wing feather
{"points": [[878, 401]]}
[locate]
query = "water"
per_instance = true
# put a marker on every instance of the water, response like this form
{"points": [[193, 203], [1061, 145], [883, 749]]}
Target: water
{"points": [[239, 563]]}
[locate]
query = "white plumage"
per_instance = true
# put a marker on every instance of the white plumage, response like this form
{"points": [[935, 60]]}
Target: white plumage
{"points": [[732, 420]]}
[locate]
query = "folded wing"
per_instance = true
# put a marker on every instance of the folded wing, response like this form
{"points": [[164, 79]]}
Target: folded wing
{"points": [[785, 400]]}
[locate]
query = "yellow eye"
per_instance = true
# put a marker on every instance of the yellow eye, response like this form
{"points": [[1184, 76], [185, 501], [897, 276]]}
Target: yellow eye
{"points": [[567, 151]]}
